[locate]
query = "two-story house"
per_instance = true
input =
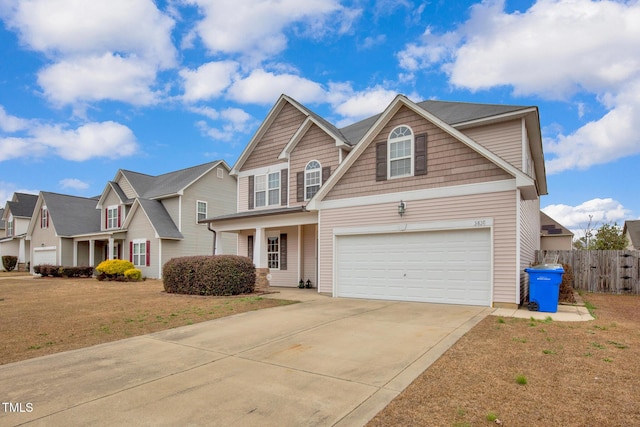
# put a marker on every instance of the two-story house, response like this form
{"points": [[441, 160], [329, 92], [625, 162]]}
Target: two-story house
{"points": [[432, 201], [143, 218], [16, 216]]}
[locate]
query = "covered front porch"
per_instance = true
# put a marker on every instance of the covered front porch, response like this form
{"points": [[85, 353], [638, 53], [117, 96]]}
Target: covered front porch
{"points": [[91, 250], [283, 243]]}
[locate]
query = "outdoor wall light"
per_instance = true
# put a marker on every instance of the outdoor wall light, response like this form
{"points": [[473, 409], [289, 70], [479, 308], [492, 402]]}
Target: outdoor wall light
{"points": [[401, 208]]}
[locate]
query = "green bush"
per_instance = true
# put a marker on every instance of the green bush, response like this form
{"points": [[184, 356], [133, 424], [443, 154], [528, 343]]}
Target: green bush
{"points": [[113, 269], [133, 275], [9, 262], [209, 275]]}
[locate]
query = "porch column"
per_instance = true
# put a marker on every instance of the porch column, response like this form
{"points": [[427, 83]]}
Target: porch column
{"points": [[259, 248], [260, 258], [75, 253], [300, 251], [110, 248], [91, 252]]}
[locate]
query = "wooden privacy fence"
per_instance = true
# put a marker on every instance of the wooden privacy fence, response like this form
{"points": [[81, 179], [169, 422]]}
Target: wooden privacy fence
{"points": [[600, 271]]}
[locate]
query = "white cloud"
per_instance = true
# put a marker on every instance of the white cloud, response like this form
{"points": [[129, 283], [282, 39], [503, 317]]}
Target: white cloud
{"points": [[111, 50], [73, 183], [208, 81], [261, 23], [70, 27], [95, 78], [550, 50], [235, 122], [95, 139], [352, 105], [263, 87], [10, 123], [105, 139], [595, 212]]}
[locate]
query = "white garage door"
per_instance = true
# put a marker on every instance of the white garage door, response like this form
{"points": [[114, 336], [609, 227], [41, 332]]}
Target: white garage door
{"points": [[452, 267], [44, 256]]}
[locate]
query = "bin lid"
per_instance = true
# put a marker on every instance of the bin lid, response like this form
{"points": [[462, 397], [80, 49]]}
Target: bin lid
{"points": [[547, 267]]}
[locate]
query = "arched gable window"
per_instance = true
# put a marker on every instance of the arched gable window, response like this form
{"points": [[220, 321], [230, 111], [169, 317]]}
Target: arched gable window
{"points": [[400, 145], [312, 179]]}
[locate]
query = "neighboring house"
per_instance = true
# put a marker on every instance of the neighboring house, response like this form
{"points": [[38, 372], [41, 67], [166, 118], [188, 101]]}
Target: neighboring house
{"points": [[145, 219], [553, 235], [632, 230], [432, 201], [16, 216]]}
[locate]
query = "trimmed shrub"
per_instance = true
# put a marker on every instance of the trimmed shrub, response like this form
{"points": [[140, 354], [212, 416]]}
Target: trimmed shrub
{"points": [[9, 262], [133, 275], [47, 270], [75, 271], [209, 275], [113, 269]]}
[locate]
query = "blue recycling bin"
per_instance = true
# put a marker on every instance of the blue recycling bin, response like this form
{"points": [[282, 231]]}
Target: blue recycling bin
{"points": [[544, 287]]}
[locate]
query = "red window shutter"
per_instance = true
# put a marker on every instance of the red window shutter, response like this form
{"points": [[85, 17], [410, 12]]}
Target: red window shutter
{"points": [[130, 251], [119, 216], [148, 245]]}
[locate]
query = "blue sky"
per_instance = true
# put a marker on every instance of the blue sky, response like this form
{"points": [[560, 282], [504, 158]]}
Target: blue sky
{"points": [[87, 88]]}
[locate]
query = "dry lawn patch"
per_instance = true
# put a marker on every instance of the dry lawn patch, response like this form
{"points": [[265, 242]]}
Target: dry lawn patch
{"points": [[577, 374], [40, 316]]}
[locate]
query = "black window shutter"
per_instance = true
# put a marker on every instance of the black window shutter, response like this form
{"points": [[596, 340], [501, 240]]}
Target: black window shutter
{"points": [[300, 186], [251, 192], [420, 166], [250, 247], [381, 161], [326, 172], [284, 187], [283, 252]]}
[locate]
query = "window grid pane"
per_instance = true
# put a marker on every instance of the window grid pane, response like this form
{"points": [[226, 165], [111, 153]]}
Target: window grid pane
{"points": [[273, 252]]}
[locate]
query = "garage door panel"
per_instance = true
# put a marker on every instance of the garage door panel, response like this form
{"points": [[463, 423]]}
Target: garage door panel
{"points": [[437, 266]]}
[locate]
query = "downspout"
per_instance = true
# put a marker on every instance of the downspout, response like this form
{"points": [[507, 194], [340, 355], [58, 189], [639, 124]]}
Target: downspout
{"points": [[215, 235]]}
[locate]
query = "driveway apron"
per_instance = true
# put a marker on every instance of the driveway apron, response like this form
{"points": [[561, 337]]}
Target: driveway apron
{"points": [[321, 362]]}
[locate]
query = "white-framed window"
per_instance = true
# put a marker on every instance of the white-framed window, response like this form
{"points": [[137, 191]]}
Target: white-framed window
{"points": [[400, 157], [10, 224], [267, 189], [201, 210], [273, 251], [44, 217], [139, 253], [312, 179], [112, 217]]}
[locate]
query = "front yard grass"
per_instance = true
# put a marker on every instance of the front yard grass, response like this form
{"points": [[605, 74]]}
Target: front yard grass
{"points": [[40, 316]]}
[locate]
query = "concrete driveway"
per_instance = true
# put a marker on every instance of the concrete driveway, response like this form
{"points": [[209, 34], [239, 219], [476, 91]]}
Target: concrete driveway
{"points": [[323, 362]]}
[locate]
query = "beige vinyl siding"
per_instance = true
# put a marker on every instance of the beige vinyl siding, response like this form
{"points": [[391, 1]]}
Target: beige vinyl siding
{"points": [[449, 162], [288, 277], [172, 205], [126, 187], [314, 145], [243, 245], [309, 257], [20, 226], [270, 146], [140, 228], [243, 194], [43, 237], [503, 139], [67, 251], [529, 240], [500, 206], [220, 195]]}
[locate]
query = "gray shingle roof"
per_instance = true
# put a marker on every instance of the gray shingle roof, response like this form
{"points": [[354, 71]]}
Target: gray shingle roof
{"points": [[160, 219], [449, 112], [72, 215], [151, 187], [22, 205]]}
